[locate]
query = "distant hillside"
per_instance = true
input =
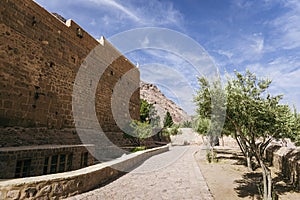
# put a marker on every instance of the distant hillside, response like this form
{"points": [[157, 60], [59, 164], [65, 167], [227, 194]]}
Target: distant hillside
{"points": [[153, 95]]}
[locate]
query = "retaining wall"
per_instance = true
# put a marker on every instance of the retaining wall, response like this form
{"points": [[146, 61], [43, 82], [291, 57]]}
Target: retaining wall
{"points": [[287, 161], [67, 184]]}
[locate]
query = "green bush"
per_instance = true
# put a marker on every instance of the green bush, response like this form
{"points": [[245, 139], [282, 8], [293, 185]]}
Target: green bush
{"points": [[174, 130], [211, 156]]}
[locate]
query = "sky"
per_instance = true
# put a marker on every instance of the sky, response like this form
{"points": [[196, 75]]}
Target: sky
{"points": [[260, 35]]}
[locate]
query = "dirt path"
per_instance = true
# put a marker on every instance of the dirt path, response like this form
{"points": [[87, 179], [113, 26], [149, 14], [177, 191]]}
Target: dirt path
{"points": [[229, 179]]}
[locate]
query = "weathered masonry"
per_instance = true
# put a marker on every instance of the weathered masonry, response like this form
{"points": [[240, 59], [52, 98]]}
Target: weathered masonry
{"points": [[40, 56]]}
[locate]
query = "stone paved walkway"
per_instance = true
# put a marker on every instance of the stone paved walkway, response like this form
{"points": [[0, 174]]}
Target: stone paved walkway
{"points": [[171, 175]]}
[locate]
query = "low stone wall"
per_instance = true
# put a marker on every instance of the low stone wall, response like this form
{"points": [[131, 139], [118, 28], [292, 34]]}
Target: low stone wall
{"points": [[287, 161], [37, 155], [67, 184]]}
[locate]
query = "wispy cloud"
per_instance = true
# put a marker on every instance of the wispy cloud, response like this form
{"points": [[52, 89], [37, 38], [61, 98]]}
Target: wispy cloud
{"points": [[118, 6], [263, 36], [107, 17], [285, 28], [146, 13], [285, 74], [248, 47]]}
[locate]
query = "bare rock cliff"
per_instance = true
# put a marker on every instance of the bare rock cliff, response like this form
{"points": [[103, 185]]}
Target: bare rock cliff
{"points": [[153, 95]]}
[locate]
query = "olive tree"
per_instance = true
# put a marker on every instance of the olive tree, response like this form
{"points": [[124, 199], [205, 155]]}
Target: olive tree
{"points": [[210, 101], [253, 117], [256, 118]]}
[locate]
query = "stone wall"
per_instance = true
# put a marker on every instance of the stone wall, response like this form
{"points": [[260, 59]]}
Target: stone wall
{"points": [[39, 59], [38, 155], [67, 184], [287, 161]]}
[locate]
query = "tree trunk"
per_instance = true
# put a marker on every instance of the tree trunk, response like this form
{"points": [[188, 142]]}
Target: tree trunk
{"points": [[245, 151], [269, 178], [248, 159], [213, 140], [222, 138], [212, 154], [267, 181]]}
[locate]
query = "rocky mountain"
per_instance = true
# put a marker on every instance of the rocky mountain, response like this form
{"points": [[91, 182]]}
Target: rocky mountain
{"points": [[153, 95]]}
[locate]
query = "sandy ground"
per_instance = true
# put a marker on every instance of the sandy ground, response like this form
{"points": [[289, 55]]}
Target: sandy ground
{"points": [[229, 179]]}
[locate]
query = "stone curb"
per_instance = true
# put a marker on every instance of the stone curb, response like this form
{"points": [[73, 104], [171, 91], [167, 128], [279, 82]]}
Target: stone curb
{"points": [[205, 189]]}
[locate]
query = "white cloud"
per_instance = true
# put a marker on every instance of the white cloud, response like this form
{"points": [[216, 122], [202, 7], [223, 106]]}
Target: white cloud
{"points": [[242, 4], [93, 22], [286, 29], [258, 45], [243, 49], [152, 13], [114, 5], [285, 75], [228, 54]]}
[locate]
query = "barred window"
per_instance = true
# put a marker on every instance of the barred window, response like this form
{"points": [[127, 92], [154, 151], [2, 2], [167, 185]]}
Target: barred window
{"points": [[58, 163], [84, 159], [22, 168]]}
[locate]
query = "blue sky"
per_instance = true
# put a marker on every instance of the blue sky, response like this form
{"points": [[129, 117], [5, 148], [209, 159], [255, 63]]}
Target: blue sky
{"points": [[260, 35]]}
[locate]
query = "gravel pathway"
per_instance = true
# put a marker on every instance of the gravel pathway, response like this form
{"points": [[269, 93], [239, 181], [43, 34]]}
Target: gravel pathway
{"points": [[170, 175]]}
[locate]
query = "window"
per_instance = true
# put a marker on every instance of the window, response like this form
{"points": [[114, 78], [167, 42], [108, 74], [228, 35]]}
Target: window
{"points": [[54, 162], [62, 163], [69, 162], [84, 159], [22, 168], [58, 163], [46, 164]]}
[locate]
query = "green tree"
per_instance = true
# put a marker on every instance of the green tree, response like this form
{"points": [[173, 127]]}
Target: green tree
{"points": [[253, 117], [145, 108], [256, 118], [148, 114], [149, 121], [168, 121], [201, 125], [296, 130], [210, 109]]}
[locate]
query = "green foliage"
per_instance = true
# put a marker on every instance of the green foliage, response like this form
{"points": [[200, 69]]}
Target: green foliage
{"points": [[253, 116], [211, 156], [139, 148], [165, 132], [148, 114], [186, 124], [201, 125], [203, 98], [168, 121], [174, 130], [210, 101], [296, 129], [141, 130], [144, 110]]}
